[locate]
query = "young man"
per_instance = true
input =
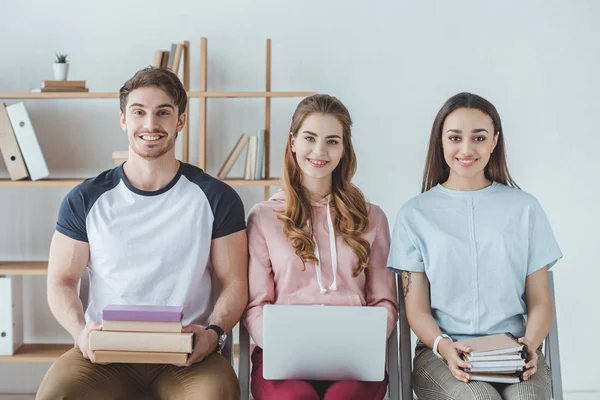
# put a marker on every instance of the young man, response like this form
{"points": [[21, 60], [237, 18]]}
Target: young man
{"points": [[149, 231]]}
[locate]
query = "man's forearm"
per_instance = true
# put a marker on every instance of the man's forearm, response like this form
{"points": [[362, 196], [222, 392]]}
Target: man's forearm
{"points": [[230, 305], [66, 307]]}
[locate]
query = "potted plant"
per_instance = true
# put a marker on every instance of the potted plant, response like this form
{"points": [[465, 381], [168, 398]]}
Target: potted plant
{"points": [[61, 67]]}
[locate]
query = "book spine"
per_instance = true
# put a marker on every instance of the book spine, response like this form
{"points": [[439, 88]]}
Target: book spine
{"points": [[141, 326], [138, 315], [109, 356], [141, 341]]}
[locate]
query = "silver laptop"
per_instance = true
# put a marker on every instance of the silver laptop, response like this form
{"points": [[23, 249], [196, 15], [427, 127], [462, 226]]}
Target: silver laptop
{"points": [[324, 342]]}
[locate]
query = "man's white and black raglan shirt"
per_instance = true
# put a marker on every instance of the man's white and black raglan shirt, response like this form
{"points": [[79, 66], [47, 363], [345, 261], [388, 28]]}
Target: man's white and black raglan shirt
{"points": [[151, 247]]}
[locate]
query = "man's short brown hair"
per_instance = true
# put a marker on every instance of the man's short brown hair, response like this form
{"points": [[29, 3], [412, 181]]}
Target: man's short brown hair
{"points": [[162, 78]]}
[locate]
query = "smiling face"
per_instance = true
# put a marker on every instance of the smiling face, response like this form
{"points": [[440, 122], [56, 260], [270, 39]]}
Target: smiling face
{"points": [[318, 146], [468, 140], [151, 122]]}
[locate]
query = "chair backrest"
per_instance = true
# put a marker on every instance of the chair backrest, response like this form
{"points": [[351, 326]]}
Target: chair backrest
{"points": [[551, 349]]}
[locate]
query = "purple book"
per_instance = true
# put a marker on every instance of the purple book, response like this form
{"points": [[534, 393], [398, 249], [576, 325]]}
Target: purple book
{"points": [[125, 312]]}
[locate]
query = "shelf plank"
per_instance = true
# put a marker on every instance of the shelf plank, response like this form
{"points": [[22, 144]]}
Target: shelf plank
{"points": [[49, 352], [53, 182], [244, 182], [60, 95], [115, 95], [23, 267], [38, 353], [249, 94], [67, 182]]}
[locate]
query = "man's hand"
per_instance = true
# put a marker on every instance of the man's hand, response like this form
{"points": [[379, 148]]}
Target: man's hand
{"points": [[205, 343], [532, 359], [452, 351], [83, 340]]}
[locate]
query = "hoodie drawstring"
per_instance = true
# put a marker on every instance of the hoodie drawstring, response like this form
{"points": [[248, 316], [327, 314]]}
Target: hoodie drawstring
{"points": [[333, 248]]}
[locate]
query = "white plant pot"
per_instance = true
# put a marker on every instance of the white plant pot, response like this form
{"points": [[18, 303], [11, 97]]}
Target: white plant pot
{"points": [[60, 71]]}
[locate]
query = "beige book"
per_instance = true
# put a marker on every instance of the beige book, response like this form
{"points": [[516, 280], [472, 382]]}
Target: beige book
{"points": [[141, 326], [63, 84], [233, 156], [157, 58], [165, 59], [501, 343], [251, 158], [139, 357], [177, 58], [497, 378], [141, 341], [10, 149], [60, 90]]}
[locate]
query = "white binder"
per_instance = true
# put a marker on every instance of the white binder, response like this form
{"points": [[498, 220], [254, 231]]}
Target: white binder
{"points": [[11, 314], [30, 148]]}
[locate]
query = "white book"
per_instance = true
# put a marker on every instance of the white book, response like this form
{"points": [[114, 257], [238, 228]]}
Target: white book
{"points": [[260, 155], [30, 147], [499, 357], [250, 158], [498, 364], [496, 378], [495, 370], [11, 315]]}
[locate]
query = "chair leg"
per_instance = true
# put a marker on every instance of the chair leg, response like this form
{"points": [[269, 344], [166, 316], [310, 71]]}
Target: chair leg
{"points": [[552, 348], [405, 351], [244, 363], [392, 362]]}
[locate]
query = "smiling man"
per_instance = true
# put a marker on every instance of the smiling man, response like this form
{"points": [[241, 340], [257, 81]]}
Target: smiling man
{"points": [[151, 231]]}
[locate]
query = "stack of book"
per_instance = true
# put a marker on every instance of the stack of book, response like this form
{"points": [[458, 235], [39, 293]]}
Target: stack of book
{"points": [[141, 334], [19, 145], [255, 156], [61, 86], [169, 59], [496, 358]]}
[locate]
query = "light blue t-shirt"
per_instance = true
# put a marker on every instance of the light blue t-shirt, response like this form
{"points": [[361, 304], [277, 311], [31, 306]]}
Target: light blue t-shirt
{"points": [[477, 249]]}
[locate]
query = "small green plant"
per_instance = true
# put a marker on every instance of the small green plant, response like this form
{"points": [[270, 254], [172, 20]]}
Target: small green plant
{"points": [[61, 58]]}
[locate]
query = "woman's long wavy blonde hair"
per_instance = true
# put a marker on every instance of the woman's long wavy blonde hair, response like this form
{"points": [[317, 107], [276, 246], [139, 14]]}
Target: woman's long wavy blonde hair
{"points": [[348, 204]]}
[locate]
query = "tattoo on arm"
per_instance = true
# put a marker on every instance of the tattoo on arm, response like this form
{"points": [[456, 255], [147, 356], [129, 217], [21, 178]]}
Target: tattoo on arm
{"points": [[406, 279]]}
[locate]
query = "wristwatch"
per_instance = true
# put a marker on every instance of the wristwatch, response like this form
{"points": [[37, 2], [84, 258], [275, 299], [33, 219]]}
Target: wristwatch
{"points": [[221, 333], [437, 342]]}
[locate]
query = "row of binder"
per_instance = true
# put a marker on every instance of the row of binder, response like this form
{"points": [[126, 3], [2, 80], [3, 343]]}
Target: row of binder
{"points": [[19, 145]]}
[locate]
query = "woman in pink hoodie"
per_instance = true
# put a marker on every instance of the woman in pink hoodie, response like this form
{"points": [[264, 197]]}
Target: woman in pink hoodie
{"points": [[318, 241]]}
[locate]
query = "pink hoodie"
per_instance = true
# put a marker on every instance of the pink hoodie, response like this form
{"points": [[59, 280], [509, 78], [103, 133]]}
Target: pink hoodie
{"points": [[277, 275]]}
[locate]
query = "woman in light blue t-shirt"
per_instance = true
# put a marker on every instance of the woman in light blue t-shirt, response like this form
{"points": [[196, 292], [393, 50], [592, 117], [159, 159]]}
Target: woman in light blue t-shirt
{"points": [[474, 252]]}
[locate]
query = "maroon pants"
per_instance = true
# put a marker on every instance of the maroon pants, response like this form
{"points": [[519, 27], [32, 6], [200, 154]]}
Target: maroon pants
{"points": [[263, 389]]}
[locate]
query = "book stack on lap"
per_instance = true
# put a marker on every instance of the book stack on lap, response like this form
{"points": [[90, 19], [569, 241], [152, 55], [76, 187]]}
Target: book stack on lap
{"points": [[61, 86], [141, 334], [496, 358]]}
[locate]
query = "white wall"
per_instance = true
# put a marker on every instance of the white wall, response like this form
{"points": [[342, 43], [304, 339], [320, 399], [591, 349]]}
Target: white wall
{"points": [[392, 62]]}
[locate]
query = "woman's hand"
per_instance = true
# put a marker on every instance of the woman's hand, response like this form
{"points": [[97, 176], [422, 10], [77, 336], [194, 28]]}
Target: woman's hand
{"points": [[452, 351], [532, 359]]}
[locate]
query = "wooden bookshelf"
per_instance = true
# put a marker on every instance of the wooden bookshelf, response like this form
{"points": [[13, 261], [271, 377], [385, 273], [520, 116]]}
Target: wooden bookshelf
{"points": [[204, 94], [23, 267], [48, 352], [37, 353]]}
